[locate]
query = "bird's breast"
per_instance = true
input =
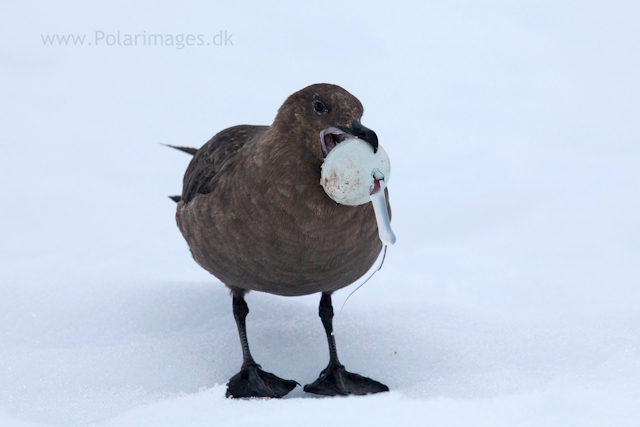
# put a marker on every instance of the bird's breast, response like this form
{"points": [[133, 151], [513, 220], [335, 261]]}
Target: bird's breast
{"points": [[282, 236]]}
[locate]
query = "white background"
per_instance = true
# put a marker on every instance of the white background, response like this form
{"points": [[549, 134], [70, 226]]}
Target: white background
{"points": [[511, 297]]}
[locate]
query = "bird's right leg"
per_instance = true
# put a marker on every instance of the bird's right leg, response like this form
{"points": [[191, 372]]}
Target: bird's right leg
{"points": [[252, 381]]}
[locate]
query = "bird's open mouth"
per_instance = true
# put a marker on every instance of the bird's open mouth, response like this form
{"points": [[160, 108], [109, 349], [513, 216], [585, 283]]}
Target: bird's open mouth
{"points": [[330, 137], [334, 135]]}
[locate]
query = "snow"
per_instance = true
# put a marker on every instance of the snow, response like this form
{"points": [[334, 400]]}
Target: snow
{"points": [[158, 354], [510, 298]]}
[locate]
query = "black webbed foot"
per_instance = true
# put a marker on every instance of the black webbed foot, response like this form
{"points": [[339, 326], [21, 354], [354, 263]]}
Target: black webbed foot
{"points": [[252, 381], [335, 380]]}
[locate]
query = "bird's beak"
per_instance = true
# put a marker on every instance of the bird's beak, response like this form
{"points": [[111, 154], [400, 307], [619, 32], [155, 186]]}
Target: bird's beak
{"points": [[359, 131]]}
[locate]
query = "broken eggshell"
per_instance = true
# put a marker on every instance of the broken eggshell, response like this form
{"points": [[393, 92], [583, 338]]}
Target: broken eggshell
{"points": [[352, 174]]}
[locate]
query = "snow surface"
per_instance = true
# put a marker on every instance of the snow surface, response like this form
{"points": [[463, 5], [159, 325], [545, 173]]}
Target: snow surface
{"points": [[510, 299]]}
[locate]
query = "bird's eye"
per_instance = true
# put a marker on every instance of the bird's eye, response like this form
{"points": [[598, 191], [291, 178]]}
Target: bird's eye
{"points": [[319, 107]]}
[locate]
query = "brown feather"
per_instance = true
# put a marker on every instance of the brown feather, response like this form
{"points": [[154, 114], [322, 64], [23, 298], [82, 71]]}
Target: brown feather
{"points": [[253, 211]]}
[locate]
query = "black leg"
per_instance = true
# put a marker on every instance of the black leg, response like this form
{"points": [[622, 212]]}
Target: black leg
{"points": [[240, 311], [335, 380], [252, 381]]}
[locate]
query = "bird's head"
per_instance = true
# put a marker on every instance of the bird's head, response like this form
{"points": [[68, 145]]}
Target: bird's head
{"points": [[321, 116]]}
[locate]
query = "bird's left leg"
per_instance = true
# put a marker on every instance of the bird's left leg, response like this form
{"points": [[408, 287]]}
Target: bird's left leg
{"points": [[335, 380]]}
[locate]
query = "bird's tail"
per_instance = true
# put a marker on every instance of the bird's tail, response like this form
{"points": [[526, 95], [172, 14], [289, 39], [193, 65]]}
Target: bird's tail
{"points": [[188, 150]]}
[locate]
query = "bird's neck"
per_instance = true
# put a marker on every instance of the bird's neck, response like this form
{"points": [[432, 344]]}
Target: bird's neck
{"points": [[280, 164]]}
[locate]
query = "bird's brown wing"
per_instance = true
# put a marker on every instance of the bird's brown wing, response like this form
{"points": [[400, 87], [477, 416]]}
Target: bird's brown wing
{"points": [[216, 158]]}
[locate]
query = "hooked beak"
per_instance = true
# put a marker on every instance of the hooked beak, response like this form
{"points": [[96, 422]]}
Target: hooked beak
{"points": [[359, 131], [334, 135]]}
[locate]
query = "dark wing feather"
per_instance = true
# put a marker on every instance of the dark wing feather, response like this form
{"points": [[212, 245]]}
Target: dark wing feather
{"points": [[214, 158], [188, 150]]}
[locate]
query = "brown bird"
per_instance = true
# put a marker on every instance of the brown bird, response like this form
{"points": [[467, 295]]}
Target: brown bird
{"points": [[254, 215]]}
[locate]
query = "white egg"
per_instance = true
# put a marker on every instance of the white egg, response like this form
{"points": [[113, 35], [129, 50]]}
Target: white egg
{"points": [[350, 170], [348, 176]]}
